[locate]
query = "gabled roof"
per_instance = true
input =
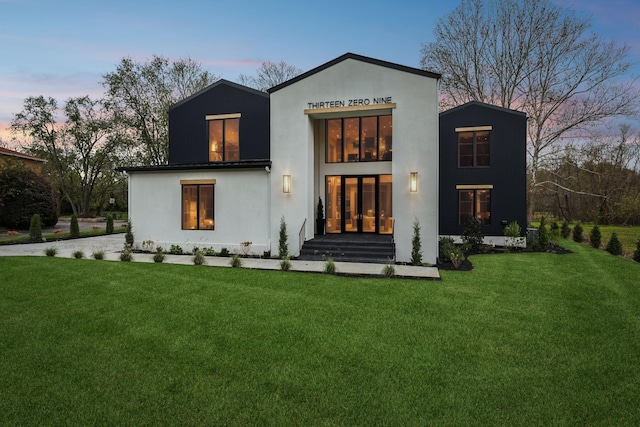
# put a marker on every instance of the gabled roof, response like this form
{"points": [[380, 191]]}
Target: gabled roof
{"points": [[7, 152], [220, 82], [357, 58], [239, 164], [485, 105]]}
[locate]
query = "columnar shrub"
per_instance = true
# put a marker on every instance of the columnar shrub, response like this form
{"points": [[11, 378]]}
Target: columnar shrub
{"points": [[614, 246], [74, 228], [472, 237], [128, 237], [126, 254], [285, 264], [595, 237], [565, 230], [109, 224], [636, 254], [416, 244], [542, 240], [283, 246], [35, 228], [577, 233]]}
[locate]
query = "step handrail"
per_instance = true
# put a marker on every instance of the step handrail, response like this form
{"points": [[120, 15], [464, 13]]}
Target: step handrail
{"points": [[301, 235]]}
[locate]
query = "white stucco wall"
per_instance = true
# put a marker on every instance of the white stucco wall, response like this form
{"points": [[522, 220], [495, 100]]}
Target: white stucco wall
{"points": [[415, 148], [241, 209]]}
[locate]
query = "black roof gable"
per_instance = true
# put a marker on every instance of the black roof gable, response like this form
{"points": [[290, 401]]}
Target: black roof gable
{"points": [[485, 105], [215, 85], [357, 58]]}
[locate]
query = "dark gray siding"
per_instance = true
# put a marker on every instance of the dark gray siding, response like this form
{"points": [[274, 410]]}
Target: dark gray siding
{"points": [[507, 173], [188, 133]]}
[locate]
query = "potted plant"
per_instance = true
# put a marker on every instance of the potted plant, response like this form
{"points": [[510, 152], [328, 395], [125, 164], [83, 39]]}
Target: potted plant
{"points": [[320, 217]]}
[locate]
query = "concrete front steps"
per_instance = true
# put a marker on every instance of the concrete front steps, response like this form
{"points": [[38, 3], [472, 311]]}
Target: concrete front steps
{"points": [[368, 248]]}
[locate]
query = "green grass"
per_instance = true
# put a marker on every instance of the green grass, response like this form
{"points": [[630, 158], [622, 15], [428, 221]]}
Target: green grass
{"points": [[523, 339], [53, 237]]}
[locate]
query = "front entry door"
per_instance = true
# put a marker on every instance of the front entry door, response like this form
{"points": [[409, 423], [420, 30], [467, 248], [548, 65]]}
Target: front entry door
{"points": [[360, 204]]}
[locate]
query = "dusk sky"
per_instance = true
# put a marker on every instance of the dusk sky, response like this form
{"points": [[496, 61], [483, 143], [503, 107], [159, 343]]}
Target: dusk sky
{"points": [[63, 48]]}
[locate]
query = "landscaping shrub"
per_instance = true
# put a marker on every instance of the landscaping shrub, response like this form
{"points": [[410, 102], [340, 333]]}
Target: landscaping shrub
{"points": [[456, 257], [128, 237], [98, 255], [235, 261], [446, 248], [554, 232], [74, 228], [416, 244], [636, 254], [35, 228], [542, 240], [511, 233], [175, 250], [51, 252], [77, 254], [109, 228], [595, 237], [577, 233], [159, 255], [472, 237], [285, 264], [388, 270], [198, 257], [330, 266], [23, 194], [565, 230], [614, 246], [126, 254], [224, 252], [283, 246]]}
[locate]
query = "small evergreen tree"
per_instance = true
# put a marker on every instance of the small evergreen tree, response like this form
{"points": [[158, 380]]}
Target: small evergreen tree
{"points": [[283, 246], [74, 228], [595, 237], [542, 240], [614, 246], [35, 229], [577, 233], [416, 244], [109, 224], [636, 254], [128, 237], [554, 232], [565, 230], [472, 238]]}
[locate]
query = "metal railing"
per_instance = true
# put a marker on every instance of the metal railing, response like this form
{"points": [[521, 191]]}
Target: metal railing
{"points": [[301, 234]]}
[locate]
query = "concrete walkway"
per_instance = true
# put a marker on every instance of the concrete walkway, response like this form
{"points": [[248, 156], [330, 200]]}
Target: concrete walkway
{"points": [[113, 244]]}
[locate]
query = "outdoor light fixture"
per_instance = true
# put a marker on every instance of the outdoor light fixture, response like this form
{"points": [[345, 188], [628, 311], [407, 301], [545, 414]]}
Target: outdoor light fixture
{"points": [[286, 183], [413, 182]]}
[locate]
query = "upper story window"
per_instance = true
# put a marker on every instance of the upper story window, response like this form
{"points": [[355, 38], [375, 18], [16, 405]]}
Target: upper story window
{"points": [[224, 137], [359, 139], [473, 147]]}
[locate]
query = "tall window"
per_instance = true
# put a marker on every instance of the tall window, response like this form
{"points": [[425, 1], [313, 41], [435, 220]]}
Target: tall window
{"points": [[224, 141], [359, 139], [197, 207], [475, 204], [473, 149]]}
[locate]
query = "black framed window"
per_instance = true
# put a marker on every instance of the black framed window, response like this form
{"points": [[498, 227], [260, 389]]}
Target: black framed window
{"points": [[474, 203], [198, 207], [224, 140], [359, 139], [473, 149]]}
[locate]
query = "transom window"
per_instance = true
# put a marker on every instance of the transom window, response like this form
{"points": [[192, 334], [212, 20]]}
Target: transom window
{"points": [[359, 139], [474, 203], [473, 149], [197, 206], [224, 139]]}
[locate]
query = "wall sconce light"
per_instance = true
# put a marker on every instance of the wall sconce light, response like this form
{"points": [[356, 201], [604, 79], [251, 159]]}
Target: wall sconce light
{"points": [[286, 183], [413, 182]]}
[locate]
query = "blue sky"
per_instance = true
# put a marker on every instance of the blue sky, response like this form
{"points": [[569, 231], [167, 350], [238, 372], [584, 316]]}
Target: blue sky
{"points": [[62, 48]]}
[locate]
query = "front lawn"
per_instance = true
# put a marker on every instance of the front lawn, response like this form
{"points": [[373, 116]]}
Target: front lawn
{"points": [[523, 339]]}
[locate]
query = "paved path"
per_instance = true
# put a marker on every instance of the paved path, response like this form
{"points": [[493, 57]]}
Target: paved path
{"points": [[113, 243]]}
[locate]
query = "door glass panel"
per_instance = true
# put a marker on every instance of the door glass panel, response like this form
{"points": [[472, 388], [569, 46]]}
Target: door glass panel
{"points": [[351, 205], [334, 204], [369, 204], [385, 216]]}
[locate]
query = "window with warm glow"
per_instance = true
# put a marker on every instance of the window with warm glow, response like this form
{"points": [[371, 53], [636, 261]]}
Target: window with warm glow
{"points": [[197, 207], [224, 140], [474, 204], [359, 139], [473, 149]]}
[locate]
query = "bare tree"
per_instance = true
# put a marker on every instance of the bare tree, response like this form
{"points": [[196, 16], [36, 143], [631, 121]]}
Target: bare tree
{"points": [[142, 94], [534, 56], [269, 74]]}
